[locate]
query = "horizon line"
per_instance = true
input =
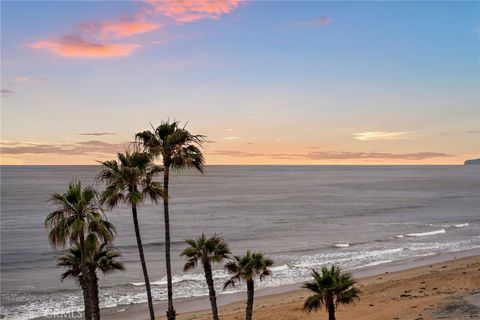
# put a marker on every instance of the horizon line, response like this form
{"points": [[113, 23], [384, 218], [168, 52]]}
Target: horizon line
{"points": [[251, 165]]}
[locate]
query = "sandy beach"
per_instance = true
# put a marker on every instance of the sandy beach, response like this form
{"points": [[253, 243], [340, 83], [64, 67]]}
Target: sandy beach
{"points": [[449, 289]]}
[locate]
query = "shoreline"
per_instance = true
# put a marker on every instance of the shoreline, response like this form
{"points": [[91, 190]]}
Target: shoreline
{"points": [[224, 300]]}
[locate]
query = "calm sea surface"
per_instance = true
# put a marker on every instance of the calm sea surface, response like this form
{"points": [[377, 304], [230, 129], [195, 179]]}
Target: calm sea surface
{"points": [[301, 216]]}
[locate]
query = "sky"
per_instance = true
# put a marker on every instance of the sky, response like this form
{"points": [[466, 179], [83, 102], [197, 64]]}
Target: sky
{"points": [[266, 82]]}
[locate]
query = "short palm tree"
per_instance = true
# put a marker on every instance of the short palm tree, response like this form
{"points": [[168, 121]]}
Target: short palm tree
{"points": [[102, 258], [246, 269], [79, 219], [129, 180], [207, 251], [178, 149], [331, 288]]}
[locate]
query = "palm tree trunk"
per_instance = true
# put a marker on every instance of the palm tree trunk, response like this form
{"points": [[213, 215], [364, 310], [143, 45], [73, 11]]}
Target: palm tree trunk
{"points": [[94, 288], [86, 284], [87, 313], [142, 260], [250, 291], [331, 310], [211, 289], [171, 310]]}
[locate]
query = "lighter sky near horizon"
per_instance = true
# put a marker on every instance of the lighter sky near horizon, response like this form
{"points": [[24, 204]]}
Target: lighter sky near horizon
{"points": [[266, 82]]}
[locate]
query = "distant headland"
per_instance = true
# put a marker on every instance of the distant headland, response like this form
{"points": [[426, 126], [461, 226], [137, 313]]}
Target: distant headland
{"points": [[472, 161]]}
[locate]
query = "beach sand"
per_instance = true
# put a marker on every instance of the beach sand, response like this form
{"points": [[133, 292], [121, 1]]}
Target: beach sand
{"points": [[437, 287], [446, 290]]}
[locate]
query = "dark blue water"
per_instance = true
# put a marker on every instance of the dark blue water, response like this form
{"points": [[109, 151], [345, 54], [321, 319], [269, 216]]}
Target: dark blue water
{"points": [[302, 216]]}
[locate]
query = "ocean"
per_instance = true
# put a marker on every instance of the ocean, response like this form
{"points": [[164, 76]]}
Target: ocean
{"points": [[301, 216]]}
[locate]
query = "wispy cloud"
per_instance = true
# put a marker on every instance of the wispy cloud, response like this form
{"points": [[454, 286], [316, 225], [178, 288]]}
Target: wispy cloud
{"points": [[316, 22], [117, 28], [382, 135], [333, 155], [6, 92], [461, 132], [97, 134], [91, 147], [230, 138], [27, 80], [185, 11], [76, 46]]}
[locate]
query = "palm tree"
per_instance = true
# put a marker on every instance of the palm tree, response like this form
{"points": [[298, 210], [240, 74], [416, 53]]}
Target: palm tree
{"points": [[129, 180], [79, 219], [331, 288], [101, 258], [207, 251], [178, 149], [247, 268]]}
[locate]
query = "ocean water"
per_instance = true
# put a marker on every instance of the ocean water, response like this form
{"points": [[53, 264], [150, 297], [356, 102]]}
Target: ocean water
{"points": [[301, 216]]}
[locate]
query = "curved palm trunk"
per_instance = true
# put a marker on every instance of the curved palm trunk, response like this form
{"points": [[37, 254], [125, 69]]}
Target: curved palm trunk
{"points": [[171, 310], [250, 292], [95, 300], [142, 260], [331, 310], [211, 289], [85, 284]]}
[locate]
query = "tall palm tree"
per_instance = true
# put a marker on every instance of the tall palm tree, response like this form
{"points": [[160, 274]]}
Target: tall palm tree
{"points": [[101, 258], [246, 269], [129, 180], [79, 219], [206, 251], [331, 288], [178, 149]]}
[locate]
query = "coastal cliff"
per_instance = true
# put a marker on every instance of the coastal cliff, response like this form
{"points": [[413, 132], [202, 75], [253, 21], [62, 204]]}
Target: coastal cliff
{"points": [[472, 161]]}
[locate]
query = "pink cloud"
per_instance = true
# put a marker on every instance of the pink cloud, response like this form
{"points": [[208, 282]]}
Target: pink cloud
{"points": [[118, 28], [76, 46], [184, 11], [89, 39]]}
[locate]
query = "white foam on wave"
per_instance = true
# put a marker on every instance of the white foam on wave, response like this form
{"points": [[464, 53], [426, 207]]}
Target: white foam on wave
{"points": [[283, 267], [376, 263], [424, 234], [450, 225], [461, 225], [400, 236], [342, 245], [137, 284], [217, 274], [175, 279]]}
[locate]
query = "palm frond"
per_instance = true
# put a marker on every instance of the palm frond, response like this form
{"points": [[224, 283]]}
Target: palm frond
{"points": [[330, 285], [312, 303], [176, 146]]}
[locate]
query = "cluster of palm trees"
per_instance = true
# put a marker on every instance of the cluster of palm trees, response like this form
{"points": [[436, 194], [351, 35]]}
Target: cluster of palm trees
{"points": [[79, 220], [244, 268]]}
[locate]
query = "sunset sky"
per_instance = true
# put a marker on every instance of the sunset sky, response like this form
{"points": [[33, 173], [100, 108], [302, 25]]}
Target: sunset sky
{"points": [[267, 82]]}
